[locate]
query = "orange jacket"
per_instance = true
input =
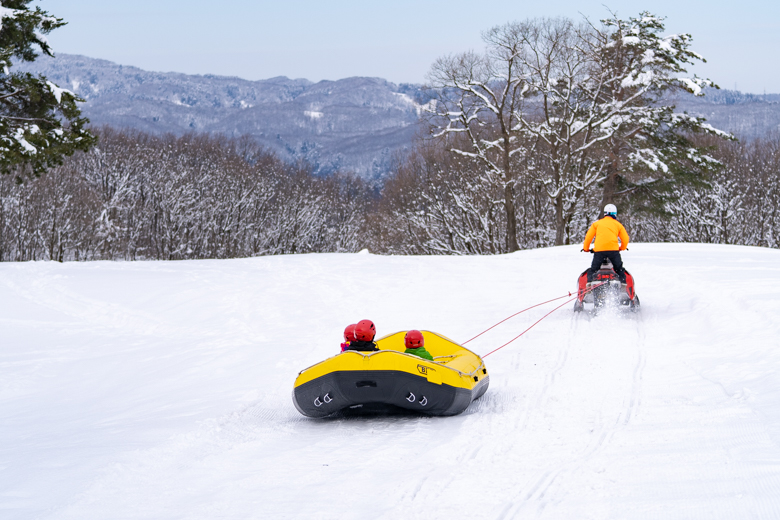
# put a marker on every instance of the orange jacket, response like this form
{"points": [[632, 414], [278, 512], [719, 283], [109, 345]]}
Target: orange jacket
{"points": [[606, 232]]}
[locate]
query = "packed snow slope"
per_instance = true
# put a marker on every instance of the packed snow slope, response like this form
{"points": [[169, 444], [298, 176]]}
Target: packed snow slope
{"points": [[162, 390]]}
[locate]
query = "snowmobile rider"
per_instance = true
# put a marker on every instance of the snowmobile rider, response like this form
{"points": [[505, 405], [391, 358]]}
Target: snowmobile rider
{"points": [[364, 337], [414, 342], [349, 336], [607, 232]]}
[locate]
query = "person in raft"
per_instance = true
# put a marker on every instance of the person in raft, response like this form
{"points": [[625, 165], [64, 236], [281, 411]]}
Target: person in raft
{"points": [[415, 342], [364, 337], [607, 232], [349, 336]]}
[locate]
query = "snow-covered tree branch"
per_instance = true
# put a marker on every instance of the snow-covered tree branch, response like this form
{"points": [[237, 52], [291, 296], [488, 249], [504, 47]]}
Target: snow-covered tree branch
{"points": [[39, 121]]}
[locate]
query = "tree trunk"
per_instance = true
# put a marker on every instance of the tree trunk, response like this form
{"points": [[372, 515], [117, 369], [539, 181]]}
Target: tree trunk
{"points": [[511, 219], [560, 225], [509, 192], [610, 187], [610, 184]]}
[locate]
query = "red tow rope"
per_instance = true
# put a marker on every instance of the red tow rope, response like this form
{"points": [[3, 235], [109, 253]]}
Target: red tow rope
{"points": [[515, 314], [534, 324], [529, 328]]}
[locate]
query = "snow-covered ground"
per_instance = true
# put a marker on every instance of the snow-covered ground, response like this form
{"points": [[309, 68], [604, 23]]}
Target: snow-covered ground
{"points": [[153, 390]]}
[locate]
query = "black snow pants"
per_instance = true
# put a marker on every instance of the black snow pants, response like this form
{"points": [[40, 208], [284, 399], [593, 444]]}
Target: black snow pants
{"points": [[614, 257]]}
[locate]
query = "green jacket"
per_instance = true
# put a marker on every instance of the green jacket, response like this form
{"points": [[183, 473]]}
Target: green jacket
{"points": [[420, 352]]}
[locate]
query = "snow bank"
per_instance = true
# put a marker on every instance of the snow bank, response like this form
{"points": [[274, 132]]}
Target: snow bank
{"points": [[161, 390]]}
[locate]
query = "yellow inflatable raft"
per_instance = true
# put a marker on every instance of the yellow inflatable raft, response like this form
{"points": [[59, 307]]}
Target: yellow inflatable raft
{"points": [[391, 378]]}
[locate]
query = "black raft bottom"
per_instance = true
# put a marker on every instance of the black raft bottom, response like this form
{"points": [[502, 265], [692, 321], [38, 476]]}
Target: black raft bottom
{"points": [[376, 410], [381, 392]]}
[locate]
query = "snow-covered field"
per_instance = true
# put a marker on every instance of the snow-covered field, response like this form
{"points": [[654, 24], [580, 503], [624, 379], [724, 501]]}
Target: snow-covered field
{"points": [[153, 390]]}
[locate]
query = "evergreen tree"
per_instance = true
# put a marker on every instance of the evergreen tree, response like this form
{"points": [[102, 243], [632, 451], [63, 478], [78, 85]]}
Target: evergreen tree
{"points": [[649, 147], [39, 122]]}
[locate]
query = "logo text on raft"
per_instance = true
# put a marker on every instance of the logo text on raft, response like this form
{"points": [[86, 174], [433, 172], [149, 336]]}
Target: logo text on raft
{"points": [[423, 369]]}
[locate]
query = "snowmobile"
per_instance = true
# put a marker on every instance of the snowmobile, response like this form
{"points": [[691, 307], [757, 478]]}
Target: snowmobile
{"points": [[606, 289]]}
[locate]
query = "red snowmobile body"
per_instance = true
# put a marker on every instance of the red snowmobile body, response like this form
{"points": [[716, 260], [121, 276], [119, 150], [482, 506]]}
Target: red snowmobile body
{"points": [[605, 287]]}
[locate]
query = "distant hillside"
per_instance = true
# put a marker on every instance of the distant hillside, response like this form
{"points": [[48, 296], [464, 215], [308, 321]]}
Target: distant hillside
{"points": [[746, 115], [352, 124]]}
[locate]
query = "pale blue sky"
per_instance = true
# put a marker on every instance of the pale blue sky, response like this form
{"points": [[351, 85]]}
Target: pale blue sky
{"points": [[395, 39]]}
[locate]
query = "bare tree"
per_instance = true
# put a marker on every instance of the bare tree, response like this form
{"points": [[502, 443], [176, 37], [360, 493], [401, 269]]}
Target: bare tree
{"points": [[480, 96]]}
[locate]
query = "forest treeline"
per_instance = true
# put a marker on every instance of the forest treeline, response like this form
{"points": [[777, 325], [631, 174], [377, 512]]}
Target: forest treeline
{"points": [[138, 196]]}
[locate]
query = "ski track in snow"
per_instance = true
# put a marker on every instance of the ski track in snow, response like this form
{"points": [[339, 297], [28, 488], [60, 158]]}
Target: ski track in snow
{"points": [[540, 492], [163, 390]]}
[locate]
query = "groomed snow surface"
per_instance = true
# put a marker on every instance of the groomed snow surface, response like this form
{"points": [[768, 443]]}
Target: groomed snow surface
{"points": [[162, 390]]}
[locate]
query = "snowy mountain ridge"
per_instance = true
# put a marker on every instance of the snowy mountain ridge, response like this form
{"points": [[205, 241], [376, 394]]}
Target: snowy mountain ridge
{"points": [[353, 124]]}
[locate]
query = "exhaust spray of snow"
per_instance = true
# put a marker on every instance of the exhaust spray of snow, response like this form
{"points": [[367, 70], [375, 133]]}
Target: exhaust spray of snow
{"points": [[162, 390]]}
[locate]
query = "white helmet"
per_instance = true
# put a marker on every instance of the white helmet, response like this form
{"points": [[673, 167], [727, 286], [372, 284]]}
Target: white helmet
{"points": [[610, 209]]}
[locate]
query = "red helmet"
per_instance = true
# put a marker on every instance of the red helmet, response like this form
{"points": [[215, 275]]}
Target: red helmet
{"points": [[349, 333], [365, 330], [414, 339]]}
